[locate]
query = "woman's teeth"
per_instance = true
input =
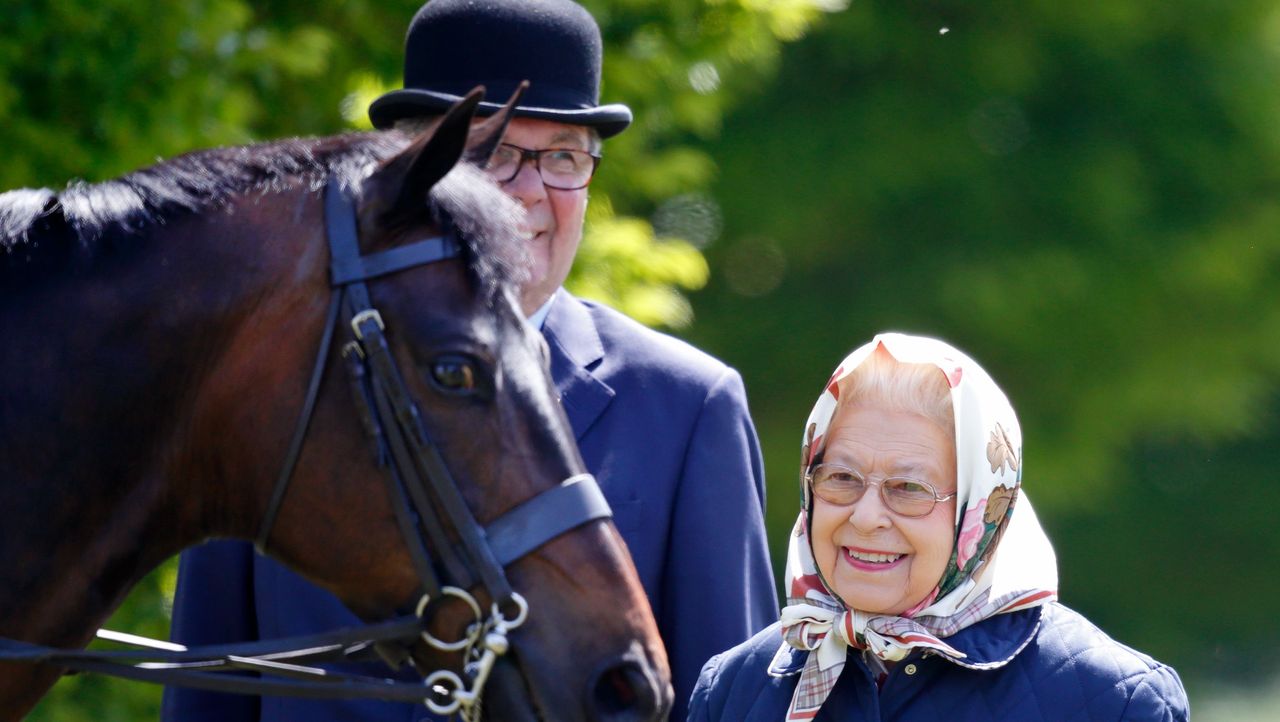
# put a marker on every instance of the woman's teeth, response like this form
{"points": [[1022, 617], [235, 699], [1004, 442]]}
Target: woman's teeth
{"points": [[873, 558]]}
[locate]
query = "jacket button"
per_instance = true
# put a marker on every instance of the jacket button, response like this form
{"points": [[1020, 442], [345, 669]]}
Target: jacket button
{"points": [[909, 669]]}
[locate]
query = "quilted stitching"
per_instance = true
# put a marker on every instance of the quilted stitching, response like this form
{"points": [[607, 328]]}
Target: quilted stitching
{"points": [[1073, 671], [1070, 672]]}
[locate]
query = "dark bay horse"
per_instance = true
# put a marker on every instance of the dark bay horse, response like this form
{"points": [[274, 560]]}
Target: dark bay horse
{"points": [[158, 331]]}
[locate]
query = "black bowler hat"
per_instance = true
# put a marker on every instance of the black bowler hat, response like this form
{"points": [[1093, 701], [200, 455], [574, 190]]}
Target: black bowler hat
{"points": [[454, 45]]}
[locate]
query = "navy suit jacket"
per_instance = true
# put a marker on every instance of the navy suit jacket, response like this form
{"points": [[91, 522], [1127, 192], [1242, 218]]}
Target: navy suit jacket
{"points": [[665, 429]]}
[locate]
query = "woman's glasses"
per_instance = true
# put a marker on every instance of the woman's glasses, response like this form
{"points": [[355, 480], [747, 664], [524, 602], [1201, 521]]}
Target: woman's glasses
{"points": [[565, 169], [842, 486]]}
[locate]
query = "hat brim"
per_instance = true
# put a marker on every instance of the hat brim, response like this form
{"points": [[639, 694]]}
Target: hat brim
{"points": [[607, 120]]}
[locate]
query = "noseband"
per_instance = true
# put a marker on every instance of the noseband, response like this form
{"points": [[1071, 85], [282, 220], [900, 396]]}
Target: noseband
{"points": [[429, 509]]}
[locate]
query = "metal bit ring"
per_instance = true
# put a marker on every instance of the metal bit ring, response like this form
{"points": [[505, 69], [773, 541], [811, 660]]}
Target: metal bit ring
{"points": [[473, 630]]}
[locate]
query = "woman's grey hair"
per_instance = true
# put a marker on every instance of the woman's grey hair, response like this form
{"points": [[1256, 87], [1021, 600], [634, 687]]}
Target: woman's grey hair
{"points": [[883, 381]]}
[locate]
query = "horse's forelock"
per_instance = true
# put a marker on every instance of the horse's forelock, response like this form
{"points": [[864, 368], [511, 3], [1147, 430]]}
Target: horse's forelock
{"points": [[489, 221]]}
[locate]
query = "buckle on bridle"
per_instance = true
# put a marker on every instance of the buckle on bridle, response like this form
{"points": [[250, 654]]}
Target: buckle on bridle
{"points": [[359, 319]]}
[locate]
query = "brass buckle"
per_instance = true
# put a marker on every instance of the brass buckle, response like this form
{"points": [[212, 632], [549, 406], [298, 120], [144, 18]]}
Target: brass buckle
{"points": [[365, 315]]}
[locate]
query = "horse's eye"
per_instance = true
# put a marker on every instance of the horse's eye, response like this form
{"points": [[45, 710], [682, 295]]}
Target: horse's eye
{"points": [[454, 375]]}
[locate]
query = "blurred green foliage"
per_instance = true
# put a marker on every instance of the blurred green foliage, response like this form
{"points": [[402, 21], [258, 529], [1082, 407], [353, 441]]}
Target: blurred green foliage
{"points": [[1085, 196], [92, 90]]}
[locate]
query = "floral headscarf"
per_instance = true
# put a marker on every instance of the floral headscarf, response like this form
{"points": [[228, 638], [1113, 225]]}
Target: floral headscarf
{"points": [[980, 580]]}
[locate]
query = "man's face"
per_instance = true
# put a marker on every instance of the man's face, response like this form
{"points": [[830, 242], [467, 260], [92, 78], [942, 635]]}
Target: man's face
{"points": [[553, 217]]}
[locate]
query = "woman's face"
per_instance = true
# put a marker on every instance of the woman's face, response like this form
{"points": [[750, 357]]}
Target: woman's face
{"points": [[875, 560]]}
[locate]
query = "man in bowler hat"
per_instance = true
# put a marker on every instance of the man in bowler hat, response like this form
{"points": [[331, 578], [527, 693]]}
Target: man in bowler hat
{"points": [[663, 426]]}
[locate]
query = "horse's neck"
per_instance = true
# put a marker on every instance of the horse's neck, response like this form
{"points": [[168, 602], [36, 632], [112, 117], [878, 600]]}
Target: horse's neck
{"points": [[108, 461]]}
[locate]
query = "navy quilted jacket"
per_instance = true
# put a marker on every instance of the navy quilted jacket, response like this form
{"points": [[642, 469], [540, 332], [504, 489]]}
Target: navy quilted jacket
{"points": [[1047, 663]]}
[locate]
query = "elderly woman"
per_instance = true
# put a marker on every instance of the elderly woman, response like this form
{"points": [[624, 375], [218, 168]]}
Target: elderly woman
{"points": [[920, 585]]}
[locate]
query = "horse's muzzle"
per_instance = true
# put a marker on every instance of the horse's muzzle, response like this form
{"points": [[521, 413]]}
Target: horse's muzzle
{"points": [[624, 689]]}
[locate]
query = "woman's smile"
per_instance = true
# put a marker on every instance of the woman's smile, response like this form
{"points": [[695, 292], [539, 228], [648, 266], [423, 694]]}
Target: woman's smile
{"points": [[871, 561]]}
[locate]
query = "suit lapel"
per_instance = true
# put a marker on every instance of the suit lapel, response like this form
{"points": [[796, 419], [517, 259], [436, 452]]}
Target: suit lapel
{"points": [[576, 350]]}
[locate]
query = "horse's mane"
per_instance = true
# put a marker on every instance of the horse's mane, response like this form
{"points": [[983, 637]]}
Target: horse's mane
{"points": [[43, 232]]}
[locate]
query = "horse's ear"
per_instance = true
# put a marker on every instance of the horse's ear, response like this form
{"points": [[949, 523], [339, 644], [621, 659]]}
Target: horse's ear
{"points": [[409, 176], [486, 136]]}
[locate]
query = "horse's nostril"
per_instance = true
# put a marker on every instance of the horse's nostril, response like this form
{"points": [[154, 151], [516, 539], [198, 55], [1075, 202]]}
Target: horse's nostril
{"points": [[616, 690], [625, 692]]}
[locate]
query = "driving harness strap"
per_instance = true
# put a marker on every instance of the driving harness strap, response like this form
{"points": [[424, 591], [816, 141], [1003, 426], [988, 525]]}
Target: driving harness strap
{"points": [[419, 466], [512, 535]]}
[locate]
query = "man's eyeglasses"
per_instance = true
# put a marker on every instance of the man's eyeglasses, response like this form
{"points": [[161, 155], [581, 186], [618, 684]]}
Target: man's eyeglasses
{"points": [[565, 169], [842, 486]]}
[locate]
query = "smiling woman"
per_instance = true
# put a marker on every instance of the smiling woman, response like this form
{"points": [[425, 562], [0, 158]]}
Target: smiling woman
{"points": [[919, 580]]}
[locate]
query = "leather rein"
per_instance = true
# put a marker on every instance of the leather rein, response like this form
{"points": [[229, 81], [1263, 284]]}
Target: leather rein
{"points": [[428, 506]]}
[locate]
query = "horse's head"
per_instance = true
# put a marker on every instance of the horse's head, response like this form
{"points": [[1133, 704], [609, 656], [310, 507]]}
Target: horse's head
{"points": [[477, 375]]}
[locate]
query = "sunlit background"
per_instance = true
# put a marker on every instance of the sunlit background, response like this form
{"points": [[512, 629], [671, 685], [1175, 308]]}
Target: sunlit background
{"points": [[1083, 195]]}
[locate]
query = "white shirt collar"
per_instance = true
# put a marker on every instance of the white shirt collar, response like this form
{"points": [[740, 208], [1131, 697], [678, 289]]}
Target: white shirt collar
{"points": [[539, 317]]}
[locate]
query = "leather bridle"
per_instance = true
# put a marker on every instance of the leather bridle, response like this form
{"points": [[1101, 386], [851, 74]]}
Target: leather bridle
{"points": [[429, 509]]}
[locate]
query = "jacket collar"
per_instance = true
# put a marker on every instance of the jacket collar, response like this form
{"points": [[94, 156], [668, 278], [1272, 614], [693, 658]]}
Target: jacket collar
{"points": [[994, 642], [576, 351], [990, 644]]}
